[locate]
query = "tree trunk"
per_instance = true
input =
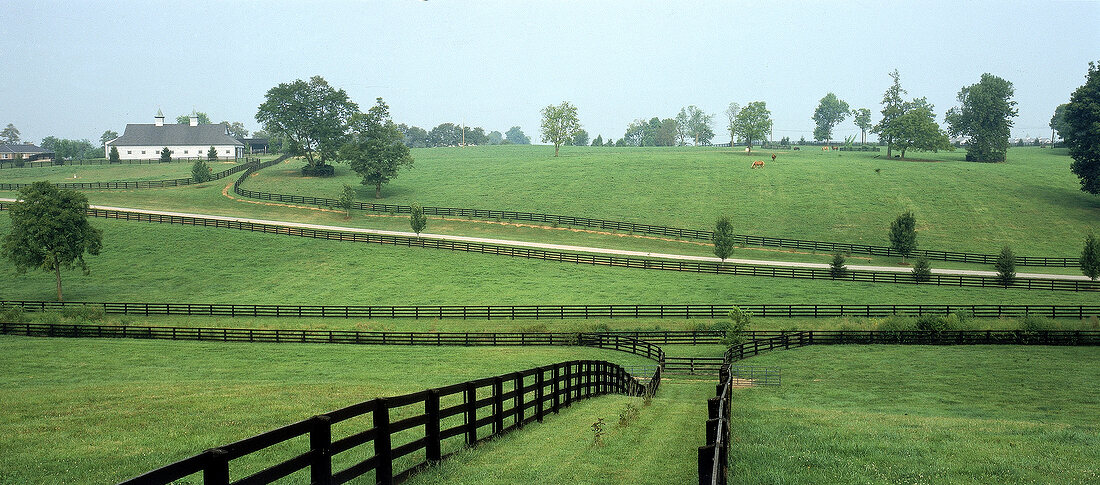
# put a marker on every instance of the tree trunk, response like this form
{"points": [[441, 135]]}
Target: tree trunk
{"points": [[378, 191], [57, 271]]}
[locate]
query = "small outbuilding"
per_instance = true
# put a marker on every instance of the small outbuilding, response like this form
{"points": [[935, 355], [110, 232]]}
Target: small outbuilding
{"points": [[190, 141], [30, 153]]}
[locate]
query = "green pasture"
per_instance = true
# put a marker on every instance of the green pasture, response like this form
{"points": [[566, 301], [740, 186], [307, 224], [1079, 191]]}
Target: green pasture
{"points": [[104, 173], [908, 414], [1032, 202], [158, 262], [99, 411]]}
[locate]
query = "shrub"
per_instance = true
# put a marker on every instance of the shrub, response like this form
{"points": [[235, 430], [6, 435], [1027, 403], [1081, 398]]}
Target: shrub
{"points": [[935, 323], [318, 171], [200, 172], [1006, 267], [212, 155], [736, 332], [11, 314], [897, 323], [837, 269], [723, 238], [597, 432], [165, 155], [903, 234], [628, 414], [1090, 257], [19, 162], [1033, 324], [83, 313], [922, 270], [417, 220]]}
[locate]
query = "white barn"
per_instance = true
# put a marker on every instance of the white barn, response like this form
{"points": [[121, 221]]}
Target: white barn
{"points": [[145, 141]]}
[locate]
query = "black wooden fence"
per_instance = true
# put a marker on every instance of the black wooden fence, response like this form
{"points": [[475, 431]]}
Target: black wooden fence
{"points": [[433, 421], [100, 161], [140, 184], [597, 259], [512, 312], [714, 455], [679, 233]]}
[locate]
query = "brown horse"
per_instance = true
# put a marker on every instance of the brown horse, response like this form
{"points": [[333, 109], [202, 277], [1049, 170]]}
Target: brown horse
{"points": [[773, 157], [758, 163]]}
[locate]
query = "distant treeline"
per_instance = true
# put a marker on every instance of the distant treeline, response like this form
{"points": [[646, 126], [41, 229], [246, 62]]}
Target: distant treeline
{"points": [[450, 134]]}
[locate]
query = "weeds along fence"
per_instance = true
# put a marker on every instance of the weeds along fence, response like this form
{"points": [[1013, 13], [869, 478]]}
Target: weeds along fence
{"points": [[140, 184], [610, 341], [679, 233], [714, 455], [407, 433], [708, 267], [513, 312]]}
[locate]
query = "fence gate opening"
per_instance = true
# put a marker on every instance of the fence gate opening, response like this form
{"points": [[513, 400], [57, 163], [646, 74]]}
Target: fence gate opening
{"points": [[752, 375]]}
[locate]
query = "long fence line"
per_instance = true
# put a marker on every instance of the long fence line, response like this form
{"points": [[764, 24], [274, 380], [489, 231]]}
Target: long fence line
{"points": [[714, 455], [513, 312], [102, 161], [141, 184], [679, 233], [708, 267], [409, 432]]}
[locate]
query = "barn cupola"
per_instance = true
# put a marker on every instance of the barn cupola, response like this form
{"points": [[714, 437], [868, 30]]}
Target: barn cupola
{"points": [[194, 118], [159, 119]]}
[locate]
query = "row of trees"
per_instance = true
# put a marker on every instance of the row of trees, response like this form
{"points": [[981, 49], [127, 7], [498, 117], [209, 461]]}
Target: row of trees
{"points": [[450, 134]]}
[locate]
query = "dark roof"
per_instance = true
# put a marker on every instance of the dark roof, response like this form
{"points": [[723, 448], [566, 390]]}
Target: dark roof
{"points": [[175, 134], [22, 148]]}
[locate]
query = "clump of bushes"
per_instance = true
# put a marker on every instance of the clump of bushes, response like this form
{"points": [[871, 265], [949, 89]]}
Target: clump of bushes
{"points": [[736, 331]]}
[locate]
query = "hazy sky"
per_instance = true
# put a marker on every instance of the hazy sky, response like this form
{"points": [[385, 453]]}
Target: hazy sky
{"points": [[74, 69]]}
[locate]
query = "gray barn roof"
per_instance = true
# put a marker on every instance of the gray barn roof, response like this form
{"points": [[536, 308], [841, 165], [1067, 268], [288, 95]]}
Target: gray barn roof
{"points": [[21, 148], [175, 134]]}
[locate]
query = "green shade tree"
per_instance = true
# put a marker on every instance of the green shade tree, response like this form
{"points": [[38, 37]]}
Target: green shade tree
{"points": [[377, 151], [1090, 257], [830, 111], [892, 108], [200, 172], [236, 129], [598, 141], [903, 234], [580, 138], [1058, 124], [50, 231], [113, 156], [417, 220], [695, 123], [559, 124], [107, 136], [10, 134], [515, 136], [916, 129], [862, 119], [1083, 131], [753, 122], [1006, 267], [723, 238], [347, 200], [985, 118], [731, 117], [312, 117]]}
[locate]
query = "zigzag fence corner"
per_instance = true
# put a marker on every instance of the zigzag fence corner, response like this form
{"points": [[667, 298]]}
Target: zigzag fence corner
{"points": [[558, 312], [655, 230], [714, 455], [451, 417]]}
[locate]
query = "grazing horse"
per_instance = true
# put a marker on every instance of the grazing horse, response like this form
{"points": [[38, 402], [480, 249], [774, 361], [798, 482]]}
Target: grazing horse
{"points": [[773, 157], [824, 148], [758, 163], [796, 148]]}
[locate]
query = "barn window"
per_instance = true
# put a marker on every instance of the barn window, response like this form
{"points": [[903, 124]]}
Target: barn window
{"points": [[185, 152], [129, 152], [143, 152]]}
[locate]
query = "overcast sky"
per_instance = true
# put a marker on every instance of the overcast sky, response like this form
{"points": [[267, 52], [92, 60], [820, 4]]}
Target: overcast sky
{"points": [[74, 69]]}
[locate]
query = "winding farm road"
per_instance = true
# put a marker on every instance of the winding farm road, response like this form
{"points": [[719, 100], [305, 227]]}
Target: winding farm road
{"points": [[586, 249]]}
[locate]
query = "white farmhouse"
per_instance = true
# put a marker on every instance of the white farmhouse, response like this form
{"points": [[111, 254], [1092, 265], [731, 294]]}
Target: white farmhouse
{"points": [[190, 141]]}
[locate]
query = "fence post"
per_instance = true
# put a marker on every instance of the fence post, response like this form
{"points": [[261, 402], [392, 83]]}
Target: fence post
{"points": [[217, 470], [498, 405], [540, 394], [568, 383], [557, 388], [471, 413], [320, 441], [706, 465], [517, 400], [383, 469], [431, 428]]}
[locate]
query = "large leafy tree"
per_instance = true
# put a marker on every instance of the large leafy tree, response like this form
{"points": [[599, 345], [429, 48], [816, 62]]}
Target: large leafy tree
{"points": [[754, 122], [892, 107], [985, 117], [204, 119], [916, 129], [830, 111], [694, 123], [10, 134], [445, 135], [50, 231], [1083, 131], [312, 117], [236, 129], [107, 136], [862, 118], [515, 136], [731, 116], [376, 150], [1058, 123], [903, 234], [559, 124]]}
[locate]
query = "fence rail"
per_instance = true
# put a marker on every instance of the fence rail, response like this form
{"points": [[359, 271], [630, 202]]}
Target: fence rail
{"points": [[101, 161], [140, 184], [469, 413], [657, 230], [512, 312]]}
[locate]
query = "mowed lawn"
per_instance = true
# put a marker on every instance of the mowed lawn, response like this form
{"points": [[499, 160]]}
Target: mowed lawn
{"points": [[909, 414], [104, 173], [146, 262], [88, 411], [1032, 202]]}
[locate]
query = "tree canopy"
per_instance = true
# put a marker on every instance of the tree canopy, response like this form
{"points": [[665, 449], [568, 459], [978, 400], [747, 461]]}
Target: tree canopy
{"points": [[10, 134], [312, 117], [107, 136], [731, 117], [515, 136], [50, 231], [754, 122], [376, 151], [559, 124], [204, 119], [985, 117], [916, 129], [1058, 122], [1083, 131], [236, 129], [862, 118], [830, 111], [694, 123], [892, 108]]}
